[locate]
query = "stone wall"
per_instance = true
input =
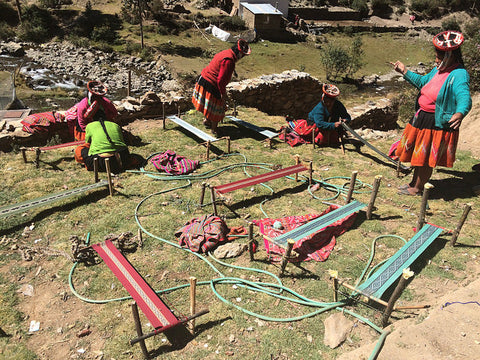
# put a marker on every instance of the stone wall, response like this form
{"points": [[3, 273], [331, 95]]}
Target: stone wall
{"points": [[291, 93]]}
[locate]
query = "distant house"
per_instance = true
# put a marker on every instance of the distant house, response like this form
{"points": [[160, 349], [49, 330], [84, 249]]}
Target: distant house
{"points": [[262, 17], [280, 5]]}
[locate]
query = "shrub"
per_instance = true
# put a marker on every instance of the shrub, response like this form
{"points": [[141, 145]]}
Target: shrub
{"points": [[6, 32], [361, 6], [37, 25], [451, 24], [103, 33], [428, 8], [471, 28], [340, 62], [54, 4]]}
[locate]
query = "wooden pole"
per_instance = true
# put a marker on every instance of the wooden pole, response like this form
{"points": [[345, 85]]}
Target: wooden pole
{"points": [[140, 238], [285, 134], [335, 289], [313, 139], [402, 284], [178, 107], [109, 176], [37, 157], [163, 115], [466, 210], [24, 154], [250, 240], [208, 149], [138, 327], [214, 201], [353, 180], [286, 256], [310, 173], [297, 162], [423, 207], [235, 109], [398, 168], [342, 145], [373, 197], [228, 144], [202, 193], [193, 297], [95, 168]]}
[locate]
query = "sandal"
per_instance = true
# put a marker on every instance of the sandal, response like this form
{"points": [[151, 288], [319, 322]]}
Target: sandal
{"points": [[406, 192]]}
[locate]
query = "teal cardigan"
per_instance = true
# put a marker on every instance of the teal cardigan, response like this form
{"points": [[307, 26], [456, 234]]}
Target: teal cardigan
{"points": [[454, 95]]}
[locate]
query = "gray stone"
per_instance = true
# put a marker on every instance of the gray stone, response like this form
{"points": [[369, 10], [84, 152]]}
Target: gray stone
{"points": [[337, 328]]}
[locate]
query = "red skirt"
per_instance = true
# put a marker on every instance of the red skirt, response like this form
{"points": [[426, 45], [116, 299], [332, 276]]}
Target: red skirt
{"points": [[424, 145], [207, 100]]}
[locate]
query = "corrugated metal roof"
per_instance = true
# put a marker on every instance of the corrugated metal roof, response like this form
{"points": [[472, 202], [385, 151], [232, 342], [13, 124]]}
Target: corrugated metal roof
{"points": [[261, 9]]}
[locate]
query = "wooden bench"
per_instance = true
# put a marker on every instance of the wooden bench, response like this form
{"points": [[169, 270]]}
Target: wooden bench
{"points": [[157, 312], [208, 139], [27, 205], [267, 133], [39, 150], [254, 180], [393, 269], [287, 240]]}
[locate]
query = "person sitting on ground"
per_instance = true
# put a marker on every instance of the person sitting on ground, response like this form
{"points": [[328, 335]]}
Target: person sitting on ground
{"points": [[210, 90], [94, 105], [325, 119], [104, 139], [430, 138]]}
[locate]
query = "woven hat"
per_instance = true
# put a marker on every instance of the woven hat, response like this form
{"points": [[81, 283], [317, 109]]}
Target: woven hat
{"points": [[448, 40], [243, 47], [330, 90], [96, 87]]}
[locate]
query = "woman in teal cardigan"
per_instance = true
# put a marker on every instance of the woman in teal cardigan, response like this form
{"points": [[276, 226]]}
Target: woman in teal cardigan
{"points": [[430, 138]]}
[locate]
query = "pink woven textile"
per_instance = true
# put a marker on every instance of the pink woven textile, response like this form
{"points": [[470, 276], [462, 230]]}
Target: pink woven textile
{"points": [[317, 246]]}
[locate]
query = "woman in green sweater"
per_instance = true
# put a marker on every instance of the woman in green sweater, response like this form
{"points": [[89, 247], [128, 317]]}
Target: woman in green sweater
{"points": [[430, 138]]}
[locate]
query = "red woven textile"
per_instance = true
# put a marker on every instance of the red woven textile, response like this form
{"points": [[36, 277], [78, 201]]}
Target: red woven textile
{"points": [[149, 302], [222, 189], [317, 246], [41, 122]]}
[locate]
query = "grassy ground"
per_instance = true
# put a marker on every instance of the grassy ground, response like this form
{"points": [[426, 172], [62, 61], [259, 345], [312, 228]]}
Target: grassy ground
{"points": [[226, 331]]}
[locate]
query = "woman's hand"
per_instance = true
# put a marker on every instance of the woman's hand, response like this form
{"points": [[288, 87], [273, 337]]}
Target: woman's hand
{"points": [[456, 120], [400, 67]]}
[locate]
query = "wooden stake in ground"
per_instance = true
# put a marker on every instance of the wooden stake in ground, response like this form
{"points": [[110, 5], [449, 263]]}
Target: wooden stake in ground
{"points": [[353, 180], [193, 297], [423, 207], [402, 284], [466, 210], [376, 186]]}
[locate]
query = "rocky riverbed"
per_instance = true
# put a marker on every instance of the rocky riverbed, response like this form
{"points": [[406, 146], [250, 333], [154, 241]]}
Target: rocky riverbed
{"points": [[75, 65]]}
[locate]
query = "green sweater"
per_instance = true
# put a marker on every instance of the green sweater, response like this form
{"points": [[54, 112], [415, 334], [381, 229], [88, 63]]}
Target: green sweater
{"points": [[99, 144], [454, 95]]}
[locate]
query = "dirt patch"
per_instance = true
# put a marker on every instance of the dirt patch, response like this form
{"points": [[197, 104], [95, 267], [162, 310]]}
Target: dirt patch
{"points": [[470, 129]]}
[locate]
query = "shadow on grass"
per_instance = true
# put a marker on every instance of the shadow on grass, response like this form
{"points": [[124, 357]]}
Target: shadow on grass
{"points": [[458, 186], [179, 337], [92, 196]]}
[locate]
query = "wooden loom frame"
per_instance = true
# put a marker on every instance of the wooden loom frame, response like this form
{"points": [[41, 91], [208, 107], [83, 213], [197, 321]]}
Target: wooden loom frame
{"points": [[156, 311]]}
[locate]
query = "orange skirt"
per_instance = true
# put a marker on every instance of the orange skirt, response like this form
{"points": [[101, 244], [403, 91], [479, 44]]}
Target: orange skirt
{"points": [[423, 145], [207, 101]]}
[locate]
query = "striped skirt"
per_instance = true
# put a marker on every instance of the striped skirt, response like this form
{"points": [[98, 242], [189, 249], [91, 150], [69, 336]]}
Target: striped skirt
{"points": [[422, 144], [207, 99]]}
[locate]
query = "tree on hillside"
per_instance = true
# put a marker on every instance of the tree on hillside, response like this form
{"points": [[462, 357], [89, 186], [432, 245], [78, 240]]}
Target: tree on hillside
{"points": [[134, 11], [19, 11], [339, 62]]}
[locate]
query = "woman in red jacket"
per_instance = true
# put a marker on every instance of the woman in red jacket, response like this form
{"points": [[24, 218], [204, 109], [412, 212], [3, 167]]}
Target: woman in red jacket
{"points": [[210, 89]]}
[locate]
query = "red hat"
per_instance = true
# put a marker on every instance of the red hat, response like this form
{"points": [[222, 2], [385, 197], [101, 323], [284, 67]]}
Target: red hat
{"points": [[243, 47], [96, 87], [330, 90], [448, 40]]}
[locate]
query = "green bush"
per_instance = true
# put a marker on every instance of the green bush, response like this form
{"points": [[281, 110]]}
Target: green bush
{"points": [[381, 7], [339, 62], [54, 4], [104, 33], [471, 28], [361, 6], [6, 32], [450, 24], [38, 25], [429, 8]]}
